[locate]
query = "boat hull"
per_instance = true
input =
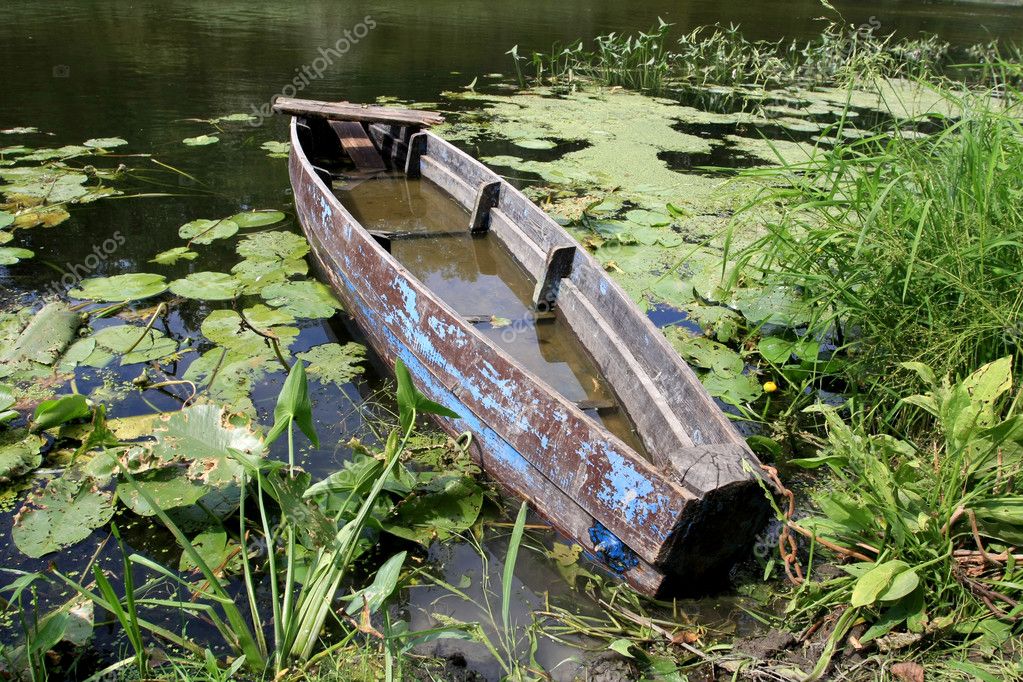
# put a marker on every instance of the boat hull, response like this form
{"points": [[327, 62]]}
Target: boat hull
{"points": [[656, 533]]}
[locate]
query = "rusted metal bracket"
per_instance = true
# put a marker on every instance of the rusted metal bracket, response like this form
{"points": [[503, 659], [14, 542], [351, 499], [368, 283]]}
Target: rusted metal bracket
{"points": [[557, 267], [486, 198]]}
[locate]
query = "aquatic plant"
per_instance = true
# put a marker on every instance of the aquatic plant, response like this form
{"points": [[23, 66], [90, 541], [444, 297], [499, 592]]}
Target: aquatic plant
{"points": [[927, 527], [904, 247]]}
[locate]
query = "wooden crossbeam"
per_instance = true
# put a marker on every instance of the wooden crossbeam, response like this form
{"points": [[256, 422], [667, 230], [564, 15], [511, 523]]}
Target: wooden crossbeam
{"points": [[363, 113], [358, 146]]}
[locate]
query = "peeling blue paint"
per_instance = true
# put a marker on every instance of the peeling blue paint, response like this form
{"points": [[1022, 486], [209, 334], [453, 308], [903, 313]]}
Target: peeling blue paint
{"points": [[611, 550]]}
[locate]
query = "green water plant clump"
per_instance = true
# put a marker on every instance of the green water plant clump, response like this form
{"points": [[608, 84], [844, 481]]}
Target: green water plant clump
{"points": [[904, 247], [926, 529]]}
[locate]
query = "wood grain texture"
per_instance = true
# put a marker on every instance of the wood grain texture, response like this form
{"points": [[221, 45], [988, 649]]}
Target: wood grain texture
{"points": [[358, 146], [363, 113]]}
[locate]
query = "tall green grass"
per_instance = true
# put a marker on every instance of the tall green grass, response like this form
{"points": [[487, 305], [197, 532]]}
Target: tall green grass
{"points": [[905, 247]]}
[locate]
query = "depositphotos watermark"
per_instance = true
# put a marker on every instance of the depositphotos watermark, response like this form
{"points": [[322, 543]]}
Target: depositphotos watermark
{"points": [[314, 70], [76, 272]]}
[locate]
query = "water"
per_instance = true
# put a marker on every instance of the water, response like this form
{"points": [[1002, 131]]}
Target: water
{"points": [[81, 69]]}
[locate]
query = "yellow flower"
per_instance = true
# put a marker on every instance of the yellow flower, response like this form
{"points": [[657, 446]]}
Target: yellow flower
{"points": [[770, 387]]}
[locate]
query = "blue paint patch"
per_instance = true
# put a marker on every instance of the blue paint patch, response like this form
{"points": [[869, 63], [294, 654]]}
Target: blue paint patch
{"points": [[611, 550]]}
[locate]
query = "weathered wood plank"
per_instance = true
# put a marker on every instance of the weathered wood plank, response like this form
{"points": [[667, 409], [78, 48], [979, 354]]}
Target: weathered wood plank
{"points": [[486, 198], [416, 149], [363, 113], [439, 174], [358, 146], [523, 249], [557, 267]]}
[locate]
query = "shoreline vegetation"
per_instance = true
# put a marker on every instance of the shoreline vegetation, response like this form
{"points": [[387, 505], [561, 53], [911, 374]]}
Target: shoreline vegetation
{"points": [[869, 329]]}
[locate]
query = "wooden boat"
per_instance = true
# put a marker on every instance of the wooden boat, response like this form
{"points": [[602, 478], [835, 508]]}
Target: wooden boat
{"points": [[667, 521]]}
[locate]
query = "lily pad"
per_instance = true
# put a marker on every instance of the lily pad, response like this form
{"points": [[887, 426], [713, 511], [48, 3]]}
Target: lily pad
{"points": [[307, 299], [257, 274], [445, 506], [63, 514], [257, 218], [531, 143], [277, 150], [120, 288], [10, 255], [105, 142], [234, 118], [6, 219], [204, 435], [225, 328], [48, 216], [273, 245], [204, 231], [699, 351], [19, 453], [169, 487], [228, 378], [207, 286], [334, 363], [735, 389], [172, 256], [200, 140], [113, 342]]}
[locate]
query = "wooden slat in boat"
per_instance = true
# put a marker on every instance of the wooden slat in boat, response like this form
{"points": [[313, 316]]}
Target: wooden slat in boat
{"points": [[363, 113], [683, 515]]}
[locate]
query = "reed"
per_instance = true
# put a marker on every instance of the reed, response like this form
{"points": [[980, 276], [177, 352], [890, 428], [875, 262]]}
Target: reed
{"points": [[905, 247]]}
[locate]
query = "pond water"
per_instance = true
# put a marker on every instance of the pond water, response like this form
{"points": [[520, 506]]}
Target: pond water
{"points": [[140, 70]]}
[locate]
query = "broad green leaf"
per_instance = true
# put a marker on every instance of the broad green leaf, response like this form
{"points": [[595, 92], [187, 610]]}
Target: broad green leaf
{"points": [[114, 342], [10, 255], [735, 389], [334, 363], [275, 245], [169, 487], [294, 406], [373, 597], [277, 150], [63, 514], [207, 286], [878, 581], [172, 256], [445, 506], [622, 646], [203, 231], [306, 299], [6, 219], [411, 401], [699, 351], [204, 435], [256, 275], [19, 453], [59, 411], [120, 288], [256, 218], [226, 328], [200, 140], [105, 142]]}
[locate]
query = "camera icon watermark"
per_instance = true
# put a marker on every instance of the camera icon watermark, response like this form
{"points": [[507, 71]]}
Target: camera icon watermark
{"points": [[61, 71]]}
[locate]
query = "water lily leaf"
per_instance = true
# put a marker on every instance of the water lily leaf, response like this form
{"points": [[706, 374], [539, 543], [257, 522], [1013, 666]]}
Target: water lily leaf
{"points": [[11, 255], [699, 351], [447, 505], [200, 140], [531, 143], [255, 275], [257, 218], [20, 130], [234, 118], [214, 547], [774, 305], [226, 328], [777, 350], [735, 389], [19, 453], [39, 338], [207, 286], [52, 186], [7, 401], [169, 487], [105, 142], [273, 245], [204, 231], [334, 363], [277, 150], [6, 219], [228, 377], [307, 298], [49, 216], [120, 288], [204, 435], [65, 152], [64, 513], [111, 342], [172, 256]]}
